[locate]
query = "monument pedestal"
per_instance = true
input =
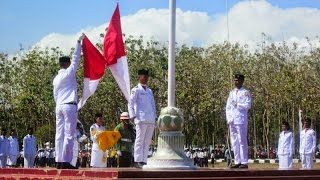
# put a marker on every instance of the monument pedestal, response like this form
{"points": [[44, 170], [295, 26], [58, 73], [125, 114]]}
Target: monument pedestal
{"points": [[170, 153]]}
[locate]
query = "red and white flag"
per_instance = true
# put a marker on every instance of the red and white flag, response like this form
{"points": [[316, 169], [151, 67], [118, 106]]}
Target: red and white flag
{"points": [[94, 67], [115, 55]]}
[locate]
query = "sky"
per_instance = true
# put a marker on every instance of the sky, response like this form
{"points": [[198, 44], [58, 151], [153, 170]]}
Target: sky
{"points": [[31, 23]]}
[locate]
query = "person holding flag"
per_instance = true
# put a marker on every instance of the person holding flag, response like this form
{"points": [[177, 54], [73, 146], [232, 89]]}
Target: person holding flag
{"points": [[98, 156], [65, 96], [142, 110]]}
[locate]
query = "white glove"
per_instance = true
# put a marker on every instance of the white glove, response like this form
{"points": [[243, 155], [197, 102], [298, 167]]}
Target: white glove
{"points": [[82, 138], [81, 37], [119, 153]]}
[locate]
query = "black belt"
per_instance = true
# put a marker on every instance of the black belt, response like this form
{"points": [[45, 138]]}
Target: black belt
{"points": [[73, 103]]}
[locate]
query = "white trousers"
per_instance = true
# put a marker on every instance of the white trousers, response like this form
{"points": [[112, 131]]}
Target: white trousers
{"points": [[239, 143], [3, 161], [98, 159], [285, 161], [75, 152], [144, 134], [29, 161], [66, 121], [306, 161], [12, 160]]}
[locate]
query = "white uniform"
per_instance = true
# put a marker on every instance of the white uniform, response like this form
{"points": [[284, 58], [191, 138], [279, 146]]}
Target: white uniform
{"points": [[29, 150], [76, 140], [142, 107], [14, 151], [285, 149], [307, 147], [4, 151], [65, 96], [238, 104], [98, 157]]}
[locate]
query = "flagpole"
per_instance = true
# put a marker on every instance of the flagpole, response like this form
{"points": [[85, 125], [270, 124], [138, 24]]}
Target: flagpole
{"points": [[170, 148], [171, 53]]}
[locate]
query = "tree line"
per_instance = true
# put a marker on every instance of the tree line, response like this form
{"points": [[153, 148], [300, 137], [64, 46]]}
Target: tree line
{"points": [[282, 78]]}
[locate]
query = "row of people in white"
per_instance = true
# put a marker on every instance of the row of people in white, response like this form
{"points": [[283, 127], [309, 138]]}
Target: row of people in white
{"points": [[9, 149], [306, 149]]}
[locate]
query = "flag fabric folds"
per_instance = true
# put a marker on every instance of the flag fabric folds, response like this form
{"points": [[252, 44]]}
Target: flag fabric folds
{"points": [[115, 55], [114, 58], [94, 67]]}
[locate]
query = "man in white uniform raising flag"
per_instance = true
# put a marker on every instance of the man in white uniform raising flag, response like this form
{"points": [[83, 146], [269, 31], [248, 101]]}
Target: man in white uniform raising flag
{"points": [[65, 96]]}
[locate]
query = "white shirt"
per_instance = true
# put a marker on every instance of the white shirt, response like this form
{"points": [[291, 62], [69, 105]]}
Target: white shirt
{"points": [[142, 105], [29, 145], [4, 146], [307, 141], [200, 155], [13, 146], [285, 143], [238, 104], [65, 84], [188, 154], [93, 135]]}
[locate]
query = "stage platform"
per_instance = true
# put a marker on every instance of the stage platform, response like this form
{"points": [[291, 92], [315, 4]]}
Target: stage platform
{"points": [[139, 174]]}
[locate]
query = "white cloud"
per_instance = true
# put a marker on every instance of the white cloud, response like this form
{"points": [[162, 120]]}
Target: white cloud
{"points": [[247, 21]]}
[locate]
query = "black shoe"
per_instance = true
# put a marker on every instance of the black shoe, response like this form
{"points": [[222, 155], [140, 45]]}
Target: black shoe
{"points": [[235, 166], [243, 166], [59, 165], [138, 165], [66, 165]]}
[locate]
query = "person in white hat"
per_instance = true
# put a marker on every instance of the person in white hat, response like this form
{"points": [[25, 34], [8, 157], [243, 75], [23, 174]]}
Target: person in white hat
{"points": [[125, 144]]}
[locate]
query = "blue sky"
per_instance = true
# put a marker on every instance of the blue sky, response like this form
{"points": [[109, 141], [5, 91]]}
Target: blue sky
{"points": [[28, 21]]}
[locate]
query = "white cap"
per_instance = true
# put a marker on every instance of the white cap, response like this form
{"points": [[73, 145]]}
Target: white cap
{"points": [[124, 115]]}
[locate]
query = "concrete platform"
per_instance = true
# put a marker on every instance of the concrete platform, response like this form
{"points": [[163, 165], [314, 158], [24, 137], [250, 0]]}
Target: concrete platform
{"points": [[139, 174]]}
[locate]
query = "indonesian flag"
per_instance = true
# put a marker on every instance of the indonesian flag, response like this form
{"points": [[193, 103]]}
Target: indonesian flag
{"points": [[115, 55], [94, 67]]}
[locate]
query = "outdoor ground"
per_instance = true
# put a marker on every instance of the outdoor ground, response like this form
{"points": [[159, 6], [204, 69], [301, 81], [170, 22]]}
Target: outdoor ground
{"points": [[264, 166]]}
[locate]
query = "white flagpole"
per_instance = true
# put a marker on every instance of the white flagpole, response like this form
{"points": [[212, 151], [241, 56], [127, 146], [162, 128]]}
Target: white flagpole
{"points": [[171, 53]]}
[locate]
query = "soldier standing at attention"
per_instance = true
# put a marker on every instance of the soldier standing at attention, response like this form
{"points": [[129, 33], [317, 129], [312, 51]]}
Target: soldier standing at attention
{"points": [[285, 147], [4, 148], [13, 149], [29, 149], [238, 105], [143, 110], [307, 145]]}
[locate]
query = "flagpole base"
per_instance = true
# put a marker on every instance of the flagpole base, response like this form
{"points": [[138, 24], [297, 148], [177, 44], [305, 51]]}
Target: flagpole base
{"points": [[170, 154]]}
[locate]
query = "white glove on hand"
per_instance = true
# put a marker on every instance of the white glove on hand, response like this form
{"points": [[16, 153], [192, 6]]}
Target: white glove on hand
{"points": [[82, 138], [81, 37], [119, 153]]}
